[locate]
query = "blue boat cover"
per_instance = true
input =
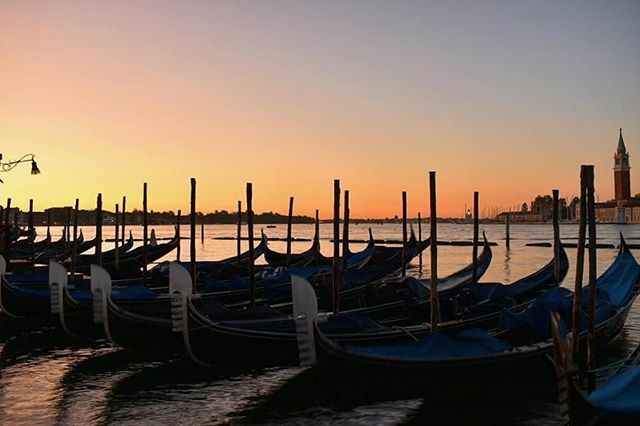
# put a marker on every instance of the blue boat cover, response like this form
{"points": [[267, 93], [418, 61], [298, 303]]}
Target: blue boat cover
{"points": [[535, 318], [439, 346], [130, 292], [620, 394], [619, 280]]}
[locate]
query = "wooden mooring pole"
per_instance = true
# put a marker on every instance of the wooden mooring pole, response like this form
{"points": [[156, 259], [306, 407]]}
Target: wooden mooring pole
{"points": [[74, 254], [239, 231], [434, 252], [124, 217], [345, 232], [289, 225], [99, 230], [404, 233], [556, 236], [336, 247], [508, 235], [117, 238], [252, 277], [591, 227], [192, 227], [31, 228], [420, 240], [145, 230], [474, 252], [577, 289], [7, 234], [178, 249]]}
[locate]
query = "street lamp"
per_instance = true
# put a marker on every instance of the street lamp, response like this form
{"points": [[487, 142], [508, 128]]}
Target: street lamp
{"points": [[9, 165]]}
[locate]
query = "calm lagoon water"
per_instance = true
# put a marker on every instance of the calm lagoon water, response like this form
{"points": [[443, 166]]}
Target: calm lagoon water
{"points": [[47, 379]]}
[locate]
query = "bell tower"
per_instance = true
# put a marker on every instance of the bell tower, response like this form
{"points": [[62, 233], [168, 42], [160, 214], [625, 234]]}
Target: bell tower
{"points": [[621, 171]]}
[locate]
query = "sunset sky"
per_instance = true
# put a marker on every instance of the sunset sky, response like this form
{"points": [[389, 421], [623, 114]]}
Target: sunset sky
{"points": [[507, 98]]}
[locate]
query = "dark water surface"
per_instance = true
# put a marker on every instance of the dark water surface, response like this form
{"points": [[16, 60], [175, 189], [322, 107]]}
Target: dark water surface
{"points": [[46, 378]]}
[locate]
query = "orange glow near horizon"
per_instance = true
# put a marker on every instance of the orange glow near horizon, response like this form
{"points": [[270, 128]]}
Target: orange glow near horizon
{"points": [[108, 97]]}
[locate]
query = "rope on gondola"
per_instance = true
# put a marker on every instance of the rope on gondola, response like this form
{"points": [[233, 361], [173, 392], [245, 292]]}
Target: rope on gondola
{"points": [[407, 332], [611, 366]]}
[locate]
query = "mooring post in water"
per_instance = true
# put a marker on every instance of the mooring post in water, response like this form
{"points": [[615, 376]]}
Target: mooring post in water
{"points": [[289, 224], [124, 217], [252, 278], [7, 233], [474, 256], [145, 230], [74, 254], [507, 224], [556, 236], [202, 231], [577, 290], [434, 252], [192, 240], [336, 247], [117, 237], [31, 229], [404, 233], [591, 227], [67, 231], [179, 238], [99, 230], [316, 237], [48, 227], [420, 239], [239, 230], [345, 232]]}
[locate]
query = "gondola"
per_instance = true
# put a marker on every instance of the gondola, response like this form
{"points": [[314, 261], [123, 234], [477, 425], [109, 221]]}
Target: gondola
{"points": [[274, 258], [27, 247], [61, 249], [82, 261], [146, 323], [32, 299], [520, 347], [209, 328], [130, 263], [615, 401]]}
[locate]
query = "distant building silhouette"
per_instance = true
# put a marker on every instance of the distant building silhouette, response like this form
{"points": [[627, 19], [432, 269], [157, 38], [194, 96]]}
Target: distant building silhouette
{"points": [[621, 172], [624, 208]]}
